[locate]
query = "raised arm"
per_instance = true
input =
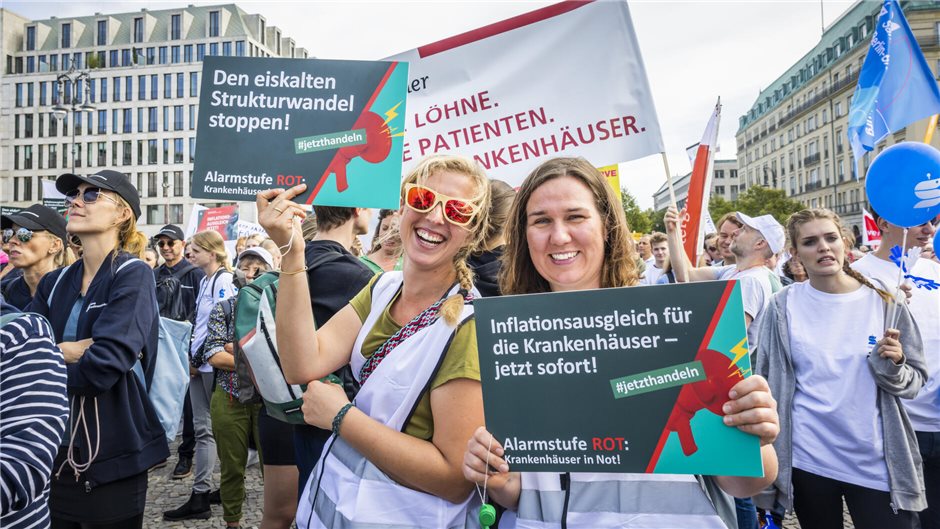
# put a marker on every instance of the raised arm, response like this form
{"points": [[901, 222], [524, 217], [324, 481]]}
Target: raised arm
{"points": [[681, 266], [306, 353]]}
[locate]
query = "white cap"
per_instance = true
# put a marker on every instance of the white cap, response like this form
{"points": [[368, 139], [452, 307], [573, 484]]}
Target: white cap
{"points": [[768, 227], [259, 252]]}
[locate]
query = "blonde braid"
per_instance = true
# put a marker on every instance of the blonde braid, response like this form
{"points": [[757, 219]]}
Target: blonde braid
{"points": [[854, 274], [453, 306]]}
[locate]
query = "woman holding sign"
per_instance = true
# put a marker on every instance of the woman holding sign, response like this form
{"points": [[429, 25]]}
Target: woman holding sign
{"points": [[395, 456], [566, 232], [839, 372]]}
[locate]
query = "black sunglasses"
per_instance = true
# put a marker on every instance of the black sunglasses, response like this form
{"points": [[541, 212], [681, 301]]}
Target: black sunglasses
{"points": [[23, 234], [89, 196], [164, 243]]}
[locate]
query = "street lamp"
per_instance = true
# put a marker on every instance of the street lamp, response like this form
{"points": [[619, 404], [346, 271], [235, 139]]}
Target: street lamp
{"points": [[73, 104]]}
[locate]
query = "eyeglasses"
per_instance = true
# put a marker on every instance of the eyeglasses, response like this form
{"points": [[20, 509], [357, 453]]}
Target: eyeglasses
{"points": [[89, 196], [164, 243], [423, 199], [23, 234], [712, 248]]}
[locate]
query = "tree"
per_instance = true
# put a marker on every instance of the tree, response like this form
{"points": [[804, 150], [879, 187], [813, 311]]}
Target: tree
{"points": [[759, 200], [637, 219], [718, 206], [657, 219]]}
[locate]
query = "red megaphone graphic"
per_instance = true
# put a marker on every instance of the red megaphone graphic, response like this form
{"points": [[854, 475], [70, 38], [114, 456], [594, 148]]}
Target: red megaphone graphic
{"points": [[711, 394], [377, 147]]}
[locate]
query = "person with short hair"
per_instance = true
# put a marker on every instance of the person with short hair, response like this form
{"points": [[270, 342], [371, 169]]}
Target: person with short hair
{"points": [[486, 264], [711, 255], [839, 369], [36, 239], [924, 304], [660, 247], [727, 225], [394, 457], [567, 231], [103, 311]]}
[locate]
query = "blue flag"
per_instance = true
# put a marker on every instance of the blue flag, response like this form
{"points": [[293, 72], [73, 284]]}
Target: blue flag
{"points": [[895, 86]]}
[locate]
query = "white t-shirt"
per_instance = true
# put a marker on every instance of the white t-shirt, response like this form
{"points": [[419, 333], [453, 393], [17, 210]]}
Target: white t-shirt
{"points": [[924, 410], [755, 292], [653, 273], [837, 428], [222, 288]]}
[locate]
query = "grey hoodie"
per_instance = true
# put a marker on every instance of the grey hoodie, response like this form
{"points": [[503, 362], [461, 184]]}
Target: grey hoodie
{"points": [[905, 473]]}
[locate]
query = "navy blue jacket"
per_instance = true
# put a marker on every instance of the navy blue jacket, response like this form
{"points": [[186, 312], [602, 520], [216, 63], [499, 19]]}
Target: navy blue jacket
{"points": [[119, 313]]}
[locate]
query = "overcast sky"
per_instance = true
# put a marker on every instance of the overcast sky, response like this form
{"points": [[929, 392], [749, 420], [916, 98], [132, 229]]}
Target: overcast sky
{"points": [[694, 51]]}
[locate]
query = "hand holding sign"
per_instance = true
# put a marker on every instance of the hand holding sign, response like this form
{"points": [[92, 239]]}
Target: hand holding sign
{"points": [[753, 409], [277, 213]]}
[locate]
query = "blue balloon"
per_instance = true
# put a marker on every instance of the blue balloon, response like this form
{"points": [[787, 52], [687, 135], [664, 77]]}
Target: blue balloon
{"points": [[903, 184], [936, 241]]}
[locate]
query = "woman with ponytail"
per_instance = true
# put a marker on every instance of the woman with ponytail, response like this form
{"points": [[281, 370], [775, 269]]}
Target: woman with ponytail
{"points": [[567, 231], [838, 369], [103, 310], [394, 457]]}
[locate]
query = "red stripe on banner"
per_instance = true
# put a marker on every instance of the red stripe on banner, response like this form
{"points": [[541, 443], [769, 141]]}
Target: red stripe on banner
{"points": [[719, 310], [368, 105], [695, 202], [502, 26]]}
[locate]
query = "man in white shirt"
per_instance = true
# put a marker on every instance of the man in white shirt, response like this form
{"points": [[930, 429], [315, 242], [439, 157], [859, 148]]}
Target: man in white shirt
{"points": [[660, 248], [924, 304], [727, 225]]}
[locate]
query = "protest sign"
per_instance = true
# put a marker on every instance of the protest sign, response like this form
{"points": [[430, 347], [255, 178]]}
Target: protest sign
{"points": [[52, 198], [871, 235], [612, 174], [617, 380], [10, 210], [565, 80], [222, 219], [333, 125]]}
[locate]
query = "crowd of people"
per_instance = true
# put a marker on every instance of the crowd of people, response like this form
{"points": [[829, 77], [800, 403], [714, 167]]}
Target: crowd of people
{"points": [[844, 398]]}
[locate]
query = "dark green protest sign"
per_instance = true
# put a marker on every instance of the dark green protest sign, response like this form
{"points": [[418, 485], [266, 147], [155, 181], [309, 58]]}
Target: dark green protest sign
{"points": [[617, 380], [336, 126]]}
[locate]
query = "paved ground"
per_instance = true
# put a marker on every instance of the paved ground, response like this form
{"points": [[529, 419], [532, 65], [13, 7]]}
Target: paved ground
{"points": [[165, 494]]}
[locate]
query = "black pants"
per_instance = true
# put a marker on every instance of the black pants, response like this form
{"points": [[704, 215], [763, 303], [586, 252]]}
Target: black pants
{"points": [[137, 522], [818, 504], [187, 447], [929, 443]]}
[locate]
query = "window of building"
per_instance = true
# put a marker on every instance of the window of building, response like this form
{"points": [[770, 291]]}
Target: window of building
{"points": [[239, 48], [192, 117], [27, 187], [126, 150], [66, 37], [214, 20], [140, 119], [162, 54], [102, 122], [178, 150], [151, 55], [41, 127], [200, 51], [19, 94], [213, 48], [30, 64], [155, 215], [193, 84], [166, 118], [28, 126], [66, 61], [115, 113], [103, 89], [178, 185], [141, 87], [166, 150], [226, 49], [176, 26], [139, 29], [192, 150], [188, 53], [30, 94], [126, 57], [128, 120], [178, 117], [152, 152], [167, 86], [129, 88], [152, 119], [154, 88], [175, 54], [179, 85], [102, 33], [31, 38], [53, 160], [16, 162]]}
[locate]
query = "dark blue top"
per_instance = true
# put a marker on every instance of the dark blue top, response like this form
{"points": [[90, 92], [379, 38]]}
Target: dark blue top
{"points": [[16, 293], [119, 313]]}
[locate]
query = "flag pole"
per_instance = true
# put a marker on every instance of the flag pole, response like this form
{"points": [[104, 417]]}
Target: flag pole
{"points": [[931, 127], [672, 191]]}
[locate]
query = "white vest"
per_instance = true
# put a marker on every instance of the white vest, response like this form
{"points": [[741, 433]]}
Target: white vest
{"points": [[623, 501], [347, 491]]}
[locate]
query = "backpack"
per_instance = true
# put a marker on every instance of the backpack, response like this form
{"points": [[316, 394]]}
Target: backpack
{"points": [[247, 392], [169, 384], [256, 345], [168, 294]]}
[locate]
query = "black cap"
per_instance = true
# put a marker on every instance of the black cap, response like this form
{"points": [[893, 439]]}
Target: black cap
{"points": [[37, 217], [172, 231], [107, 179]]}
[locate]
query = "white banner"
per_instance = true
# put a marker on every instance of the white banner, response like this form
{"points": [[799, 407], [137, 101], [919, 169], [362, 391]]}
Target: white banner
{"points": [[565, 80]]}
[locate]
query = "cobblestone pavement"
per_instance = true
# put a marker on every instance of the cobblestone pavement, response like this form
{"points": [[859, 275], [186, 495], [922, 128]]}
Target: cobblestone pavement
{"points": [[166, 493]]}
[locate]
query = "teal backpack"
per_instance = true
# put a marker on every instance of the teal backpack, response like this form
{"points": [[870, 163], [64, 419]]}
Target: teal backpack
{"points": [[256, 339]]}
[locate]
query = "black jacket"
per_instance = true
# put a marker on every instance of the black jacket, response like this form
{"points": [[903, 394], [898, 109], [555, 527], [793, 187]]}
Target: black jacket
{"points": [[119, 313]]}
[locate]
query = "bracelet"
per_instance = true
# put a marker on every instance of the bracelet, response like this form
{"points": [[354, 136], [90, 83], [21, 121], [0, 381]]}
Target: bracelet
{"points": [[338, 420], [304, 269]]}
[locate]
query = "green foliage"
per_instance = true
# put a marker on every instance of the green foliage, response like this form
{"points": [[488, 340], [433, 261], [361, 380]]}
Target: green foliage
{"points": [[637, 219], [93, 62], [657, 219], [759, 200]]}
